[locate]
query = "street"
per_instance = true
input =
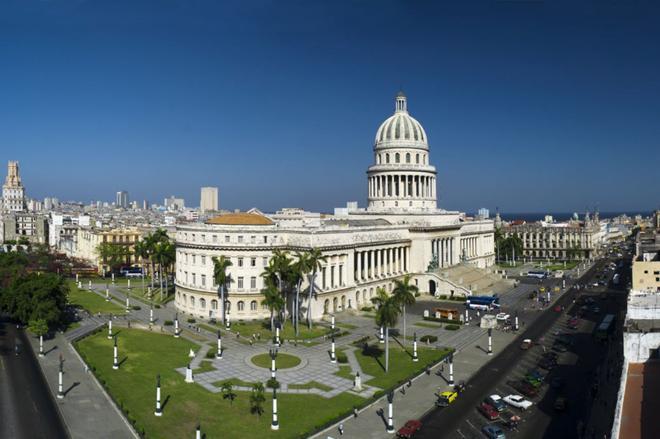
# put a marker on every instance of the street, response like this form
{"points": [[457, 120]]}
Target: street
{"points": [[578, 369], [27, 409]]}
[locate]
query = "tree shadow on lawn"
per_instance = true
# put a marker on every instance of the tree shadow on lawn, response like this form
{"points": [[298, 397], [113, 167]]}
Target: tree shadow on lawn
{"points": [[165, 401], [123, 360], [403, 347], [373, 351]]}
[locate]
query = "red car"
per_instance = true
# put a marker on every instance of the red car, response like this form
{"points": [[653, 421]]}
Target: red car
{"points": [[409, 429], [488, 411], [573, 323]]}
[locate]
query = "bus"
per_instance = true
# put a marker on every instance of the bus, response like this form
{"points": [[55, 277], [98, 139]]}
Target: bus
{"points": [[605, 327], [537, 274], [482, 302]]}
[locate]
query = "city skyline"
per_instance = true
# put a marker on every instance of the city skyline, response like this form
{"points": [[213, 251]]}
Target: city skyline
{"points": [[299, 103]]}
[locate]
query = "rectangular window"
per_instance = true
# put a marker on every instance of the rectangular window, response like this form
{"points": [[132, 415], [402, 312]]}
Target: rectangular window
{"points": [[215, 238], [186, 273], [239, 283], [265, 239], [240, 262], [341, 275], [194, 278], [332, 276], [265, 262], [253, 282], [323, 283], [203, 238], [240, 239], [186, 258], [193, 237], [253, 239], [227, 238], [203, 280], [193, 259], [203, 260], [253, 262]]}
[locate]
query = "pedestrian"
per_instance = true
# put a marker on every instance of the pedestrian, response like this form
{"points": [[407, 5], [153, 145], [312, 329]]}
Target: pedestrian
{"points": [[409, 383], [355, 412], [341, 429], [403, 390]]}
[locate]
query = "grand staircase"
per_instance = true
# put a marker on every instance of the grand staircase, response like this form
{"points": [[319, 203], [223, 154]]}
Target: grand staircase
{"points": [[478, 280]]}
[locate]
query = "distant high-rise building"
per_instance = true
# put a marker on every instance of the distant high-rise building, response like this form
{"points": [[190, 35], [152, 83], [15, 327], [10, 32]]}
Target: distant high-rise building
{"points": [[13, 192], [483, 213], [145, 205], [209, 199], [173, 203], [122, 199]]}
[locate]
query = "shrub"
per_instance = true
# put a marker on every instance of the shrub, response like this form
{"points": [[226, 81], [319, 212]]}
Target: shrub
{"points": [[367, 308], [136, 307], [451, 327], [360, 341], [157, 306], [211, 353], [428, 339], [272, 383], [191, 320], [341, 357]]}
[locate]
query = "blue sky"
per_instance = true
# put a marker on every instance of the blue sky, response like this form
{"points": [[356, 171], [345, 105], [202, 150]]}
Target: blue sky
{"points": [[529, 106]]}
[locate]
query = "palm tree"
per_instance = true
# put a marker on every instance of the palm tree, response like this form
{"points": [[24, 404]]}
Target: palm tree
{"points": [[386, 316], [273, 301], [221, 278], [141, 251], [167, 259], [404, 294], [314, 262], [257, 399], [298, 271], [281, 263]]}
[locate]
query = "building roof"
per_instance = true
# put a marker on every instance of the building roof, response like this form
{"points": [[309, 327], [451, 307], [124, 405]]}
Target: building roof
{"points": [[240, 219], [641, 401]]}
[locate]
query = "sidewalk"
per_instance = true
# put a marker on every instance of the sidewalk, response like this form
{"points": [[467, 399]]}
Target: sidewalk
{"points": [[420, 397], [86, 409]]}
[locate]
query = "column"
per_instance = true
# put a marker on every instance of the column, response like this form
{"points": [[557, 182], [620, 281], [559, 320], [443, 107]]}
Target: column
{"points": [[389, 261], [442, 252], [358, 274], [398, 260], [376, 263]]}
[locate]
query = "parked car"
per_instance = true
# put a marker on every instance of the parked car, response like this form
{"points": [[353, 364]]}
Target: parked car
{"points": [[446, 398], [547, 363], [517, 401], [492, 431], [496, 402], [409, 429], [524, 388], [488, 411], [526, 344], [502, 316]]}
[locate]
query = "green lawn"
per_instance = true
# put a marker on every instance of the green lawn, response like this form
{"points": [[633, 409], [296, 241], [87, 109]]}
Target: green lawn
{"points": [[234, 382], [247, 328], [92, 302], [148, 354], [401, 364], [311, 385], [283, 361], [204, 366], [345, 372], [428, 325], [555, 267]]}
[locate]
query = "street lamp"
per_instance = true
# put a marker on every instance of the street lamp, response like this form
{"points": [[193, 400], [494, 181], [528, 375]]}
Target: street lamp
{"points": [[490, 341], [218, 354], [415, 358], [273, 368], [275, 424], [390, 421], [159, 409]]}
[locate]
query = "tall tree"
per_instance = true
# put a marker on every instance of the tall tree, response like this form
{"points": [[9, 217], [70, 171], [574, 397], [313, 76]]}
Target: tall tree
{"points": [[221, 278], [257, 399], [404, 294], [315, 262], [387, 315], [141, 252], [273, 301], [113, 255], [298, 271], [281, 262]]}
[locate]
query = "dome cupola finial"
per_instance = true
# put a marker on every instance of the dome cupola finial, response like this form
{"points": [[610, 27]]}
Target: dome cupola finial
{"points": [[401, 105]]}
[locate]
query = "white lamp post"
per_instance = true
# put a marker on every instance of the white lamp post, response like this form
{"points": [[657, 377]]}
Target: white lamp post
{"points": [[333, 358], [159, 409], [60, 386], [490, 341], [218, 354], [415, 358], [275, 424], [115, 363], [390, 420]]}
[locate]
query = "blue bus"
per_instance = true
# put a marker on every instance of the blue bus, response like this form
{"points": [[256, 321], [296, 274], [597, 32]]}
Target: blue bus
{"points": [[605, 327], [482, 302], [537, 274]]}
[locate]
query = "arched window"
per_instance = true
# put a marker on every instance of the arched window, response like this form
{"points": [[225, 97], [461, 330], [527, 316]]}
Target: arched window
{"points": [[185, 299], [397, 158], [387, 158], [241, 305], [202, 303], [253, 305], [407, 157], [192, 301], [214, 304], [417, 158], [378, 159]]}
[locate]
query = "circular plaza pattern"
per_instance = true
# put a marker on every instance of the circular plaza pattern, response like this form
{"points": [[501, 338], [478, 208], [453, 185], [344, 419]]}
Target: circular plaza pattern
{"points": [[283, 361]]}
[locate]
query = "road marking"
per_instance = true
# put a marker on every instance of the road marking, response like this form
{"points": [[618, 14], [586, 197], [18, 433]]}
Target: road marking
{"points": [[471, 425], [462, 435]]}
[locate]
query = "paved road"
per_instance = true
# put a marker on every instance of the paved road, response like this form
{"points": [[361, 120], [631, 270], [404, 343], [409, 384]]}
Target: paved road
{"points": [[27, 409], [444, 423]]}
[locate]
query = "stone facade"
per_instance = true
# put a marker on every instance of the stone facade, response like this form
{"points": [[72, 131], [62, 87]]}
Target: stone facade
{"points": [[565, 241], [400, 232]]}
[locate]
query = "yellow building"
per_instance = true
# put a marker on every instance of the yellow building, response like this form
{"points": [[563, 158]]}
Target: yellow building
{"points": [[646, 265], [88, 240]]}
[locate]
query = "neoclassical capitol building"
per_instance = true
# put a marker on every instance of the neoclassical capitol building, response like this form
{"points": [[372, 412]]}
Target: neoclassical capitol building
{"points": [[401, 231]]}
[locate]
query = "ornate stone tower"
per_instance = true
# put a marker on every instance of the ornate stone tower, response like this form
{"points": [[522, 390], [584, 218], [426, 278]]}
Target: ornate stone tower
{"points": [[401, 178], [13, 192]]}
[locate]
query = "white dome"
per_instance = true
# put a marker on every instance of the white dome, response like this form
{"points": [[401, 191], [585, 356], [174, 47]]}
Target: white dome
{"points": [[401, 129]]}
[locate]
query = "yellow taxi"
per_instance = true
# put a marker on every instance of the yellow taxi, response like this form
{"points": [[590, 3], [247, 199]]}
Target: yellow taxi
{"points": [[446, 398]]}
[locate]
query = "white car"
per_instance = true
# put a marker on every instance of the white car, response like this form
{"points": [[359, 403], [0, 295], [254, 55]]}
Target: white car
{"points": [[517, 401], [502, 316]]}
